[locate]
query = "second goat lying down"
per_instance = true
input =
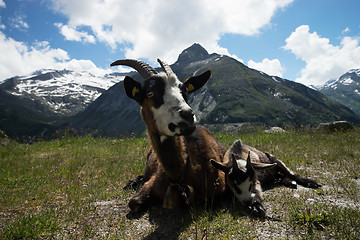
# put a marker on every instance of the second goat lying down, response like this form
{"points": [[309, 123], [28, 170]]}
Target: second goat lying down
{"points": [[247, 178]]}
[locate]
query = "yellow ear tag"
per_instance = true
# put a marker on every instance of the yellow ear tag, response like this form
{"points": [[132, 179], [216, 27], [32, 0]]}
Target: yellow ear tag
{"points": [[134, 91], [190, 88]]}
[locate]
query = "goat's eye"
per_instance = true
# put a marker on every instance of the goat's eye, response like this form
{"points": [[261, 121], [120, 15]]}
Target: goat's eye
{"points": [[150, 94]]}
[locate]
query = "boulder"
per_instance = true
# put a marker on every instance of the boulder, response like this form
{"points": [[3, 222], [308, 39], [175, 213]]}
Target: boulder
{"points": [[335, 126], [275, 130]]}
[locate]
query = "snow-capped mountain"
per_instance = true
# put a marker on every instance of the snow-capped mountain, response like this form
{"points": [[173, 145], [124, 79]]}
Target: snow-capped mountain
{"points": [[64, 92], [234, 94], [48, 99], [345, 89]]}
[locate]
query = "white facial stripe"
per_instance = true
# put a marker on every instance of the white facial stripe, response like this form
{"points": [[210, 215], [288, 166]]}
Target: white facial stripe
{"points": [[244, 187]]}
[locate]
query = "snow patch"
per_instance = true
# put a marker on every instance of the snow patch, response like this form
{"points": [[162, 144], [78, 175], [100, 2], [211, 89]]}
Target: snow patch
{"points": [[274, 78], [347, 81]]}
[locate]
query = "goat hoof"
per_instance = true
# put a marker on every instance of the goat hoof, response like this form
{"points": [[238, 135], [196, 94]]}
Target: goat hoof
{"points": [[258, 210], [313, 184], [137, 205]]}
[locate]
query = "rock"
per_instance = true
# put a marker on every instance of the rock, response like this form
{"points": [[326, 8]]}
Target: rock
{"points": [[4, 139], [275, 130], [335, 126]]}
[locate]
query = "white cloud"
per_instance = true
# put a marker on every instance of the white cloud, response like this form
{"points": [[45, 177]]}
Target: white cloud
{"points": [[323, 60], [346, 30], [270, 67], [72, 34], [17, 58], [2, 26], [19, 23], [151, 29], [2, 4]]}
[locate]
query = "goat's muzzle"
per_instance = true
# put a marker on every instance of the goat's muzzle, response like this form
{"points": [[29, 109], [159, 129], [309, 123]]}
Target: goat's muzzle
{"points": [[182, 128], [186, 126]]}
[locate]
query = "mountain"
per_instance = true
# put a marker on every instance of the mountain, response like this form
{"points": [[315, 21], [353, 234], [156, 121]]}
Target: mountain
{"points": [[234, 93], [33, 102], [63, 92], [52, 99], [345, 90]]}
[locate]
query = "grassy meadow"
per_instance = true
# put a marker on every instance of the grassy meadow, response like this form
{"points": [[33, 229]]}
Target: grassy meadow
{"points": [[71, 188]]}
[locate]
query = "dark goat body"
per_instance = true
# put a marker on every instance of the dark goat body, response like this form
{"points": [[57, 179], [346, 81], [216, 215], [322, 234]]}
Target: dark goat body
{"points": [[178, 171], [189, 169]]}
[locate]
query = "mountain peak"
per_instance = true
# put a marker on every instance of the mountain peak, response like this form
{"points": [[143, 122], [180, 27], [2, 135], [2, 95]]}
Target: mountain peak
{"points": [[356, 71], [193, 53]]}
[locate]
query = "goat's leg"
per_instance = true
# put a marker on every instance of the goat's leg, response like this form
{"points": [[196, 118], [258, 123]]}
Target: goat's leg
{"points": [[288, 182], [141, 200], [305, 182], [289, 175], [150, 169], [135, 183]]}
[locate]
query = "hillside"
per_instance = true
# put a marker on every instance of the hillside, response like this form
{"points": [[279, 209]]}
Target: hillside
{"points": [[31, 104], [20, 117], [234, 93]]}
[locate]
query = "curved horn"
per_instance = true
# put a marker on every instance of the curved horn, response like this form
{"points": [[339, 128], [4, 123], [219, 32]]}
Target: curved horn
{"points": [[165, 67], [144, 69]]}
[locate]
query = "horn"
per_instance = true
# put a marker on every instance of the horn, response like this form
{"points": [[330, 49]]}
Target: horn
{"points": [[144, 69], [165, 67]]}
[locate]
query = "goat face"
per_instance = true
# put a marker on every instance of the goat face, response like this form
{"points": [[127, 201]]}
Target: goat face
{"points": [[163, 99], [242, 181], [240, 176]]}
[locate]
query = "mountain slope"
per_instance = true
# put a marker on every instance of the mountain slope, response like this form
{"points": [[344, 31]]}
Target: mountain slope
{"points": [[20, 117], [234, 93], [112, 114], [345, 90], [62, 92], [29, 105]]}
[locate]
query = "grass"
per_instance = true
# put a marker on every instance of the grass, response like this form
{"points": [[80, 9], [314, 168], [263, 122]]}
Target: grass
{"points": [[71, 188]]}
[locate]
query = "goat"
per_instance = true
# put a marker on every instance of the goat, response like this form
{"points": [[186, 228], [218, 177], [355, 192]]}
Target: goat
{"points": [[246, 179], [178, 170]]}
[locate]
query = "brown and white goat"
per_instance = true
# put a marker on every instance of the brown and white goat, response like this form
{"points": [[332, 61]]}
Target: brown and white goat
{"points": [[247, 178], [178, 170]]}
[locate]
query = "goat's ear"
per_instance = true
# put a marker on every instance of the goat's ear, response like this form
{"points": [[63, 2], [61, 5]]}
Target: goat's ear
{"points": [[219, 166], [249, 165], [194, 83], [133, 89]]}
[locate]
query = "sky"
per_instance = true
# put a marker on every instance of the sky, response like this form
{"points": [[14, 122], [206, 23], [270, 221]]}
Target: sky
{"points": [[307, 41]]}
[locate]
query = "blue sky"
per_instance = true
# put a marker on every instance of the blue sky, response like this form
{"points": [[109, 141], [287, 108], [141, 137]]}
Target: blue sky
{"points": [[308, 41]]}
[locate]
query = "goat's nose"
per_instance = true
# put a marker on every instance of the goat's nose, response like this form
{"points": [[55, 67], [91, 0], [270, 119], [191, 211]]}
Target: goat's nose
{"points": [[187, 115]]}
